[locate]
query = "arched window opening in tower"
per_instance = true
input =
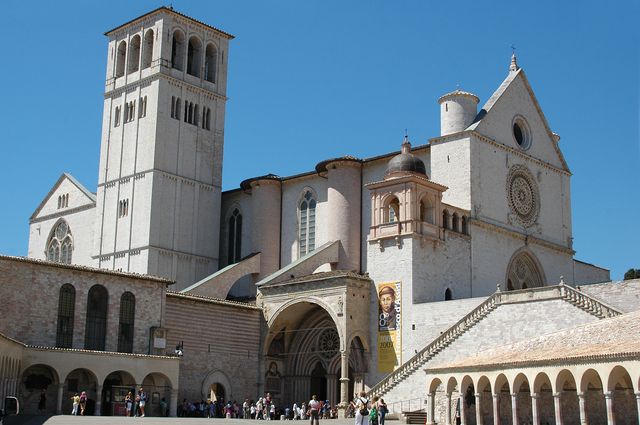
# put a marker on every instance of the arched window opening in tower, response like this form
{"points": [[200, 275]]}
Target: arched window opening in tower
{"points": [[235, 237], [121, 58], [194, 57], [147, 49], [177, 50], [134, 54]]}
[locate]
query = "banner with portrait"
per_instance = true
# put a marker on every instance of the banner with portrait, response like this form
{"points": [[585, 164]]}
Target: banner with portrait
{"points": [[389, 326]]}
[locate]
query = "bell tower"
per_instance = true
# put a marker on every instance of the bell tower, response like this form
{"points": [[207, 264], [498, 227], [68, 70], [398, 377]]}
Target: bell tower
{"points": [[159, 184]]}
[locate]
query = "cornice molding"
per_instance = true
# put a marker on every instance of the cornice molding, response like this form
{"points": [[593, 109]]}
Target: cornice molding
{"points": [[516, 235], [157, 76]]}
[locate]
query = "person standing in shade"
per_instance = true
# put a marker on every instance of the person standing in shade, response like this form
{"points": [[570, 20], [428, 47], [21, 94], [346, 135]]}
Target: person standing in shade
{"points": [[314, 409], [128, 403], [83, 402], [362, 409], [42, 404], [143, 401]]}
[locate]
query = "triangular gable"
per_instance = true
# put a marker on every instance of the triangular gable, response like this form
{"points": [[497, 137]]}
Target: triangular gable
{"points": [[90, 197], [490, 120]]}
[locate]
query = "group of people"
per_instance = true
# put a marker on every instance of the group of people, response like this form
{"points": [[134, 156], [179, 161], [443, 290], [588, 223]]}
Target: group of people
{"points": [[368, 412], [134, 405], [79, 403], [315, 410]]}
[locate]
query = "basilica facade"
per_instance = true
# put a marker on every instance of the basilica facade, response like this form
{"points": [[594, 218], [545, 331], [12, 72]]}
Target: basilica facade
{"points": [[346, 276]]}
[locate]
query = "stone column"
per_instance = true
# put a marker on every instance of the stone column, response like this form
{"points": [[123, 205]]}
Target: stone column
{"points": [[611, 419], [557, 400], [173, 403], [496, 409], [463, 410], [331, 388], [514, 408], [344, 377], [98, 410], [60, 395], [479, 409], [431, 408], [583, 410], [534, 408], [638, 405], [448, 409]]}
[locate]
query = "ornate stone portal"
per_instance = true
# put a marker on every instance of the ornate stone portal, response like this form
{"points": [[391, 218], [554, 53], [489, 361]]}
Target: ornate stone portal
{"points": [[316, 337]]}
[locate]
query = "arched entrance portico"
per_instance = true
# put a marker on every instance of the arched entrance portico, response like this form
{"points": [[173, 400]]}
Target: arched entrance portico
{"points": [[39, 381], [316, 337]]}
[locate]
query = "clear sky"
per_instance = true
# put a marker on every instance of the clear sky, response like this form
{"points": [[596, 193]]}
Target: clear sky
{"points": [[311, 80]]}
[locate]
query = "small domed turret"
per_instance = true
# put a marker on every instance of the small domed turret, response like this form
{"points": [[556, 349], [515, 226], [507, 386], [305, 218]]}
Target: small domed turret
{"points": [[405, 162], [458, 109]]}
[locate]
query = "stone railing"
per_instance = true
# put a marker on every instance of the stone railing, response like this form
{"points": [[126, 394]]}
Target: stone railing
{"points": [[433, 348], [587, 303], [562, 291]]}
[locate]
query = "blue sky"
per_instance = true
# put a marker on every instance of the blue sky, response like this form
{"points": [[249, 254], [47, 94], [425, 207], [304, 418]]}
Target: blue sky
{"points": [[310, 80]]}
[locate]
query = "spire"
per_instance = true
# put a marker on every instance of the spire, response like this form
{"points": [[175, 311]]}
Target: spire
{"points": [[513, 67]]}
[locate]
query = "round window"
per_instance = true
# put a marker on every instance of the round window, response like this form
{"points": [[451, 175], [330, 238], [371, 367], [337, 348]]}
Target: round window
{"points": [[521, 133]]}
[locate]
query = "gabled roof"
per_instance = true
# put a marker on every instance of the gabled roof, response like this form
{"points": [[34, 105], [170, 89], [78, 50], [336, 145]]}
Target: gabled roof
{"points": [[91, 196], [486, 109]]}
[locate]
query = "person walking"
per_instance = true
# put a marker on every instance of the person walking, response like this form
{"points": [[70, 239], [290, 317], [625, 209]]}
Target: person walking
{"points": [[314, 409], [83, 402], [76, 404], [362, 409]]}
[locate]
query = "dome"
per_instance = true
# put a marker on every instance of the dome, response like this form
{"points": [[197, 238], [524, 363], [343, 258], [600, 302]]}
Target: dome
{"points": [[406, 162]]}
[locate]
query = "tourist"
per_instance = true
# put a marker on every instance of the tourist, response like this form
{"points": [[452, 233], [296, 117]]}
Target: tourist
{"points": [[314, 409], [362, 410], [143, 401], [163, 407], [42, 404], [128, 403], [83, 402], [373, 412], [76, 403], [382, 411], [246, 409], [272, 411]]}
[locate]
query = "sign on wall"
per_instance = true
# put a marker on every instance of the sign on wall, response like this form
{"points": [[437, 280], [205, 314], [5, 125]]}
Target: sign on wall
{"points": [[389, 326]]}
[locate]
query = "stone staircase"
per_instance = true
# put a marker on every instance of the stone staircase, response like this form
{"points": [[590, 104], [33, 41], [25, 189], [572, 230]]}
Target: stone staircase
{"points": [[579, 299], [415, 417]]}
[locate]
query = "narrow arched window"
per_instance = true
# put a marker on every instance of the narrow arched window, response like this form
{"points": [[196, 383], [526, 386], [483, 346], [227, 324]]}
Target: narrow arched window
{"points": [[121, 55], [392, 211], [235, 237], [95, 333], [66, 311], [60, 244], [127, 318], [178, 103], [445, 219], [307, 224], [210, 63], [465, 226], [177, 50], [454, 223], [208, 119], [194, 57], [147, 49], [134, 54], [195, 115], [447, 295]]}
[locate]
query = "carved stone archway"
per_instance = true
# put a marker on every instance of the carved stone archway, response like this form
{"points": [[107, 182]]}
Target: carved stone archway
{"points": [[314, 323]]}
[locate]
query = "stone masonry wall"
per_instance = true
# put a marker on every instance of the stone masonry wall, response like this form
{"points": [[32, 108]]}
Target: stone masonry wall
{"points": [[221, 342], [30, 292]]}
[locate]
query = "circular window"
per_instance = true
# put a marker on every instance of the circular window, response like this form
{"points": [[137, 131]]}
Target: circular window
{"points": [[523, 195], [521, 133], [329, 343]]}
